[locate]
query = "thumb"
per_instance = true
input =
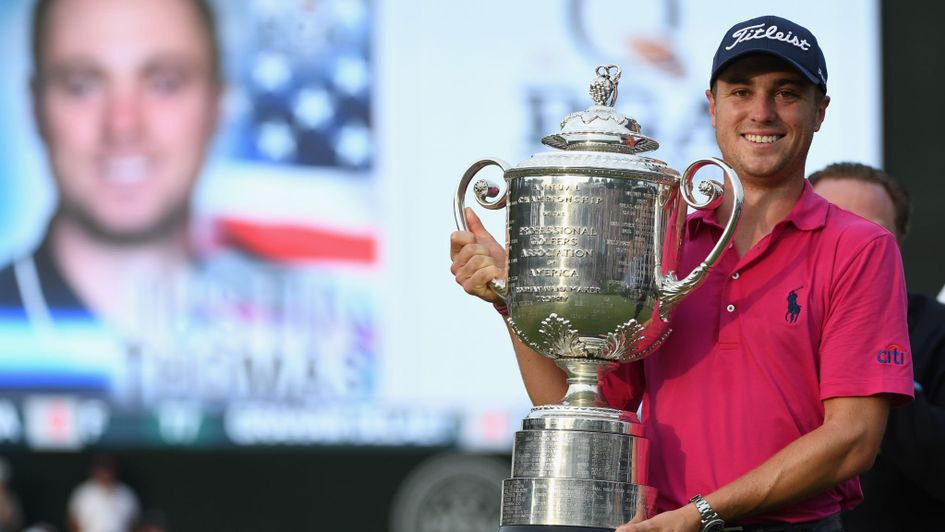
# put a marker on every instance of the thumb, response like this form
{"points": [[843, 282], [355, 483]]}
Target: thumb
{"points": [[476, 227]]}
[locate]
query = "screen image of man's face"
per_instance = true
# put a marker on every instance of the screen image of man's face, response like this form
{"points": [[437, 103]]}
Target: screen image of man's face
{"points": [[126, 99]]}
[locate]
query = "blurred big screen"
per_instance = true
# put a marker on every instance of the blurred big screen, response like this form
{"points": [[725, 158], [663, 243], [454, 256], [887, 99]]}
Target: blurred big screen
{"points": [[324, 312]]}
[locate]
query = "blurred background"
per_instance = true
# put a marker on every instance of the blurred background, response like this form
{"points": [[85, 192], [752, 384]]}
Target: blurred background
{"points": [[313, 365]]}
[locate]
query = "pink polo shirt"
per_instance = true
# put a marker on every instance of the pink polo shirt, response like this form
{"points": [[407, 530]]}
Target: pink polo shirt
{"points": [[816, 309]]}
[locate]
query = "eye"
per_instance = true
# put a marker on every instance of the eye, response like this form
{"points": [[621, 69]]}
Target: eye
{"points": [[165, 83], [788, 94], [79, 84], [740, 92]]}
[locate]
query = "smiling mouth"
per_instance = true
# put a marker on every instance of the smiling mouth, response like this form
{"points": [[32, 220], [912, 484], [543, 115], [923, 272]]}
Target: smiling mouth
{"points": [[761, 139], [127, 169]]}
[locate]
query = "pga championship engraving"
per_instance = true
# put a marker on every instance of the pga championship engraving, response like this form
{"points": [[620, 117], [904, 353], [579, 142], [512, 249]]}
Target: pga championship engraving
{"points": [[593, 237]]}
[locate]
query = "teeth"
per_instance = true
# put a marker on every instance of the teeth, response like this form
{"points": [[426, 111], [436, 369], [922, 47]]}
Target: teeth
{"points": [[763, 139], [127, 169]]}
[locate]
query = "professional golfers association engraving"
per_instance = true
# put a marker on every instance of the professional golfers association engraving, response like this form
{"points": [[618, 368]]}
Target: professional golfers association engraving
{"points": [[593, 235]]}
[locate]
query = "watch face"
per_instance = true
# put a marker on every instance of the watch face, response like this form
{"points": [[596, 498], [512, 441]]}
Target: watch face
{"points": [[714, 526]]}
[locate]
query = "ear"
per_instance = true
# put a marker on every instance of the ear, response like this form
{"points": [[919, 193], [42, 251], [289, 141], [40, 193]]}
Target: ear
{"points": [[711, 97], [821, 112]]}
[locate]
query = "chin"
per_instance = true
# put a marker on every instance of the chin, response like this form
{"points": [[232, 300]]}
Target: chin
{"points": [[762, 169], [134, 235], [132, 229]]}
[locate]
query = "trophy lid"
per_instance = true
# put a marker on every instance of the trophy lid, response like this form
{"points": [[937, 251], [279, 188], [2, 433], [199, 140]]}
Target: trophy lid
{"points": [[599, 139], [601, 127]]}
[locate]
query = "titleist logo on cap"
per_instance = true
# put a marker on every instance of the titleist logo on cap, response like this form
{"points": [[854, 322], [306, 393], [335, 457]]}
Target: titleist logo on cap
{"points": [[758, 31]]}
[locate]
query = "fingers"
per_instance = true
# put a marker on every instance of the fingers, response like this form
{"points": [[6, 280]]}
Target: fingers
{"points": [[476, 256], [468, 252], [473, 269], [477, 284], [474, 264], [459, 240], [637, 524], [486, 245]]}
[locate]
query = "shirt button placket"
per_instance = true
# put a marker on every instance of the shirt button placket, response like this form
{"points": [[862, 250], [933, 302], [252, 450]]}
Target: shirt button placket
{"points": [[729, 296]]}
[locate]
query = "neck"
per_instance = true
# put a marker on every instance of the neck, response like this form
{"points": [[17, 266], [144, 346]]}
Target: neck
{"points": [[764, 206], [109, 277]]}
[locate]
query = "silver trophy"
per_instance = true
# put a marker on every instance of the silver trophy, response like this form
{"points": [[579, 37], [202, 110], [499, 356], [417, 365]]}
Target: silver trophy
{"points": [[594, 233]]}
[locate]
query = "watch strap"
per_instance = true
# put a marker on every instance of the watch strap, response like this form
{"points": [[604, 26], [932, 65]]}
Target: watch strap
{"points": [[711, 522]]}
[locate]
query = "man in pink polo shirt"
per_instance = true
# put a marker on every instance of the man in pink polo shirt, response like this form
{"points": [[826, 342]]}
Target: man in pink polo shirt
{"points": [[762, 414]]}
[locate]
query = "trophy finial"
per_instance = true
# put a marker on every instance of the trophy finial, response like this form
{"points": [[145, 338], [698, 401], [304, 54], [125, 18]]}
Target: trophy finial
{"points": [[604, 86], [600, 127]]}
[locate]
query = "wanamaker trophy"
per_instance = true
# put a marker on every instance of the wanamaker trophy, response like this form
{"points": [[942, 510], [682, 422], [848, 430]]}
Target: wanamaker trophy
{"points": [[593, 235]]}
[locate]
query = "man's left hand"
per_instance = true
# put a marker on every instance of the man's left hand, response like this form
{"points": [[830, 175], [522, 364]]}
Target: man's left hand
{"points": [[685, 519]]}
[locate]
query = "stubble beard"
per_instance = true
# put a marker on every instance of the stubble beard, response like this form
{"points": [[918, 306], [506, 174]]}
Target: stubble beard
{"points": [[170, 224]]}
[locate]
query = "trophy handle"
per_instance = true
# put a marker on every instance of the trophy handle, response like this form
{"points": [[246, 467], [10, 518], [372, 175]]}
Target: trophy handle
{"points": [[673, 291], [485, 193]]}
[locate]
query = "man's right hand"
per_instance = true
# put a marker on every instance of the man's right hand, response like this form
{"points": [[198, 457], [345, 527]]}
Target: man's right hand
{"points": [[477, 259]]}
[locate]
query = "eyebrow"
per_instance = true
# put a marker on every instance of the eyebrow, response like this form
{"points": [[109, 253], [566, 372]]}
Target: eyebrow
{"points": [[177, 64], [58, 69], [55, 72], [739, 79], [71, 63]]}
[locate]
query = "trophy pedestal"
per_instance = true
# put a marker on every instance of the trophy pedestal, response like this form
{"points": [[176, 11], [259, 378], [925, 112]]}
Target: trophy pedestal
{"points": [[576, 469]]}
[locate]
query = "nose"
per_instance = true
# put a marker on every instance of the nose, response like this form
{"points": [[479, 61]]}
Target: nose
{"points": [[123, 117], [763, 109]]}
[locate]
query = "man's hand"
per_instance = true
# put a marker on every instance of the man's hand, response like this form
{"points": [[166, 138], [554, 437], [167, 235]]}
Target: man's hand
{"points": [[477, 259], [685, 519]]}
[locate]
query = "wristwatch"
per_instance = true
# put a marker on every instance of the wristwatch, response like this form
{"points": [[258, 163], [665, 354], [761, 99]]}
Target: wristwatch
{"points": [[711, 522]]}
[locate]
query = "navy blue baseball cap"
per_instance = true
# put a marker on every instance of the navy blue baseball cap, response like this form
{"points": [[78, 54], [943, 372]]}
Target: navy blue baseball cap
{"points": [[774, 36]]}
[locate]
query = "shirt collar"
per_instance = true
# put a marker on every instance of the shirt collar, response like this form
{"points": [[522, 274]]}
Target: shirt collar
{"points": [[810, 211], [808, 214]]}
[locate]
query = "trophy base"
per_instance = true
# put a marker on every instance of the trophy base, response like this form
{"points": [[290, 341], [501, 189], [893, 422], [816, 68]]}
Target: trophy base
{"points": [[552, 528], [576, 469]]}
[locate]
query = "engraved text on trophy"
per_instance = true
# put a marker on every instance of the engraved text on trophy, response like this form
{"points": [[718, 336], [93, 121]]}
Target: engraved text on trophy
{"points": [[583, 249]]}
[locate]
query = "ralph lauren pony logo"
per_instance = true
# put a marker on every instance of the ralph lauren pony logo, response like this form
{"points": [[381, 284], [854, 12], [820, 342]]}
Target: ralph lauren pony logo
{"points": [[793, 309]]}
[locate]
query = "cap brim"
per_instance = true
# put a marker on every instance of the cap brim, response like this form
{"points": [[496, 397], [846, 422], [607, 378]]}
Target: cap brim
{"points": [[812, 77]]}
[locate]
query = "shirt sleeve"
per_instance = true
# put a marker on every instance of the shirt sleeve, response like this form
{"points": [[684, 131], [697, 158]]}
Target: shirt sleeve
{"points": [[864, 349]]}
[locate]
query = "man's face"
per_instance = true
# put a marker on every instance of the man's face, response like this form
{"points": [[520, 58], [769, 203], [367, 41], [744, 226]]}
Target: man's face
{"points": [[765, 114], [103, 475], [869, 200], [127, 101]]}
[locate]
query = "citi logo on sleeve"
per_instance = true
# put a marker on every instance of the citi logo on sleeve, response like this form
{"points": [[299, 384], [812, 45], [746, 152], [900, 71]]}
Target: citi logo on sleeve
{"points": [[893, 354]]}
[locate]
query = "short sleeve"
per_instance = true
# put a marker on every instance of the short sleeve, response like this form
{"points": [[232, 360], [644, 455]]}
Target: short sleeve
{"points": [[864, 348]]}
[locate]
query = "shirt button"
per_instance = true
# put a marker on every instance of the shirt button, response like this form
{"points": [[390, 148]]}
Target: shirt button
{"points": [[730, 308], [735, 275]]}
